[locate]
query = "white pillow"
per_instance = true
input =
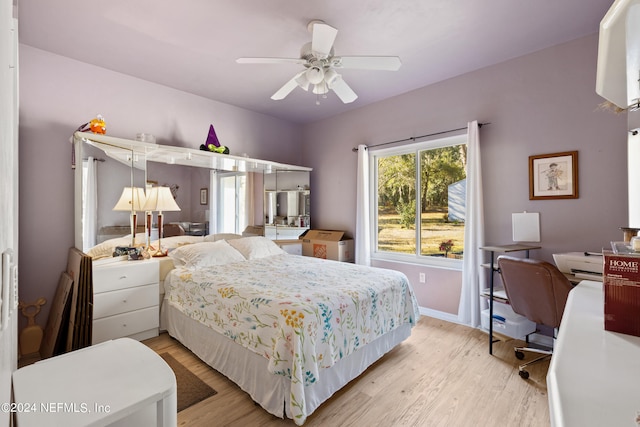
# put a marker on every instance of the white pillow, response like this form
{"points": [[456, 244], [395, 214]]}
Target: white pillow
{"points": [[177, 241], [221, 236], [255, 247], [205, 254], [106, 248]]}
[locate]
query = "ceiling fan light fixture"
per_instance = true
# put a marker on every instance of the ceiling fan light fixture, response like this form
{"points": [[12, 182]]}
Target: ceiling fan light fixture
{"points": [[315, 74], [303, 81], [319, 60], [320, 88], [331, 77]]}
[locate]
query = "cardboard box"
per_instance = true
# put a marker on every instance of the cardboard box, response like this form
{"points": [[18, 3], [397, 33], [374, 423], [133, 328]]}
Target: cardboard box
{"points": [[328, 244], [622, 293]]}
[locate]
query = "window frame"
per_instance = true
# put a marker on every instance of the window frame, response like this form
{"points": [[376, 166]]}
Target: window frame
{"points": [[412, 148]]}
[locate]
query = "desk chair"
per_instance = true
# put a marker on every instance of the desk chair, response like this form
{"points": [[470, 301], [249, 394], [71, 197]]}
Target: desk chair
{"points": [[538, 291]]}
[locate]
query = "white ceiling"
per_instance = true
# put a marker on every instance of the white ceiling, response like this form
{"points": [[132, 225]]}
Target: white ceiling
{"points": [[192, 45]]}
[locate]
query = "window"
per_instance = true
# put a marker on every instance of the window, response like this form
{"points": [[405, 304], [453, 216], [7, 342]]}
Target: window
{"points": [[232, 196], [420, 197]]}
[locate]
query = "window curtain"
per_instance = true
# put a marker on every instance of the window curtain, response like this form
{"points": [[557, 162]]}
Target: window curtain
{"points": [[472, 280], [90, 205], [363, 229], [249, 208], [213, 202]]}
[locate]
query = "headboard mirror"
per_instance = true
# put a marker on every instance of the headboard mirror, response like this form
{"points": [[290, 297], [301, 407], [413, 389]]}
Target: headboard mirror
{"points": [[113, 168], [198, 179]]}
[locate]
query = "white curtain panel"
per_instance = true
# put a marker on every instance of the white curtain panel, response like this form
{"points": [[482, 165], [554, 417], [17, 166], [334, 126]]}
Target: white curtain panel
{"points": [[472, 279], [250, 214], [213, 202], [363, 229], [90, 205]]}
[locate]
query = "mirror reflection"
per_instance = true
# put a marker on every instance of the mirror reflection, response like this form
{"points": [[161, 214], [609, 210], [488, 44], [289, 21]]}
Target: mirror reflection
{"points": [[251, 197], [104, 179], [287, 203]]}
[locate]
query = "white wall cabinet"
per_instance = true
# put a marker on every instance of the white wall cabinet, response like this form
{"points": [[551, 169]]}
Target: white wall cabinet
{"points": [[125, 300]]}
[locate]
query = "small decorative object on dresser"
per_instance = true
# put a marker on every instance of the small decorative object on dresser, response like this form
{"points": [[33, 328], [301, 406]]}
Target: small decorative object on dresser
{"points": [[125, 299]]}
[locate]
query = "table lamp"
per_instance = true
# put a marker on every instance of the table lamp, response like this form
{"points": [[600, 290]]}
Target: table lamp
{"points": [[131, 200], [160, 199]]}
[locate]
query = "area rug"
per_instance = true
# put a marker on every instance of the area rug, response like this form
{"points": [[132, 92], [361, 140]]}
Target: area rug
{"points": [[191, 389]]}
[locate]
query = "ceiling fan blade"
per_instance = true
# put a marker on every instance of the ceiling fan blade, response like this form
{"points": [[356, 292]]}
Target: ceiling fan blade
{"points": [[389, 63], [344, 92], [287, 88], [270, 61], [322, 39]]}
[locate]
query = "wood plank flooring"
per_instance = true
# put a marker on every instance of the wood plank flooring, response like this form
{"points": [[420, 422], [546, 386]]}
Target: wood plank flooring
{"points": [[442, 375]]}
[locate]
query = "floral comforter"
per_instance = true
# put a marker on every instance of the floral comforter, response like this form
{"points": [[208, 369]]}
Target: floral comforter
{"points": [[303, 314]]}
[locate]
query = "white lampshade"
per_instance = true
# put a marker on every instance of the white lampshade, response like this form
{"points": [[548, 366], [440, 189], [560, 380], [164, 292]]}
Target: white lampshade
{"points": [[320, 89], [331, 77], [302, 80], [315, 74], [131, 200], [160, 199]]}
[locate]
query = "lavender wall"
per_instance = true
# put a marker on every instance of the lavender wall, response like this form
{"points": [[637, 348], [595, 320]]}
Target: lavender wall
{"points": [[544, 102], [58, 94], [540, 103]]}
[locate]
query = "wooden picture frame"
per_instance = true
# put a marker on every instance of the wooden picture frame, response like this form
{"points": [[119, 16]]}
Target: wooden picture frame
{"points": [[204, 196], [553, 176]]}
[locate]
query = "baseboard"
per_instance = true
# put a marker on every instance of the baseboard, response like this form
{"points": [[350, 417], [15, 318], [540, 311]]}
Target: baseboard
{"points": [[453, 318]]}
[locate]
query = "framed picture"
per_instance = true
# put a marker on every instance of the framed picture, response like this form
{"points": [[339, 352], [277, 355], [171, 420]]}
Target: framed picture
{"points": [[204, 196], [553, 176]]}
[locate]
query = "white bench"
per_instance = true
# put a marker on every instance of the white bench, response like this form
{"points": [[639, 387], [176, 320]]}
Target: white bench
{"points": [[118, 382]]}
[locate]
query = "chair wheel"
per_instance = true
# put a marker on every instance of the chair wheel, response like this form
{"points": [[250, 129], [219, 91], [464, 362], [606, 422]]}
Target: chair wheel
{"points": [[519, 355], [524, 374]]}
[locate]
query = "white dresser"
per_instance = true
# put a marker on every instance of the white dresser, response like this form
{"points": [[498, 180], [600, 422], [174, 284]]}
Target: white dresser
{"points": [[125, 300]]}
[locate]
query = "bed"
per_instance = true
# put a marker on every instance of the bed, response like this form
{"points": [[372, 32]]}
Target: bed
{"points": [[289, 330]]}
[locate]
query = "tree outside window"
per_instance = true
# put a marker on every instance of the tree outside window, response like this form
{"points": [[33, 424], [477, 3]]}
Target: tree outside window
{"points": [[428, 181]]}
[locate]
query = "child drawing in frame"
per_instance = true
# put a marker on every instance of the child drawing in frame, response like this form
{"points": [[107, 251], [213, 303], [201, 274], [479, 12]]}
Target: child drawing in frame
{"points": [[553, 174]]}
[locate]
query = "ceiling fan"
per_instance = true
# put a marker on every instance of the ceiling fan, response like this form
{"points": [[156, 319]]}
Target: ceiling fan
{"points": [[320, 64]]}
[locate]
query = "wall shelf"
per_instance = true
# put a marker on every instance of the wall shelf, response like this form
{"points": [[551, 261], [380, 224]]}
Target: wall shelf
{"points": [[122, 149]]}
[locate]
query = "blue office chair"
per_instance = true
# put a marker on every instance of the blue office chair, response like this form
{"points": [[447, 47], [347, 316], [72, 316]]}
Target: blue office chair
{"points": [[538, 291]]}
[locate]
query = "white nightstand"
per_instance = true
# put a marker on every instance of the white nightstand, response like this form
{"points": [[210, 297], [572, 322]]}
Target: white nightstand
{"points": [[125, 300]]}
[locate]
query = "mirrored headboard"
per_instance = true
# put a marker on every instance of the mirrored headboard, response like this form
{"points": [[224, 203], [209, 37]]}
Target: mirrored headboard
{"points": [[123, 163]]}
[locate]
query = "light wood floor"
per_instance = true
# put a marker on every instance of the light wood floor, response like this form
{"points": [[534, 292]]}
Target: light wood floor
{"points": [[442, 375]]}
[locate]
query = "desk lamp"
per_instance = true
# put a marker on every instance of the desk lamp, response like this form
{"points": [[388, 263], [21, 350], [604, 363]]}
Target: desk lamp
{"points": [[160, 199], [131, 200]]}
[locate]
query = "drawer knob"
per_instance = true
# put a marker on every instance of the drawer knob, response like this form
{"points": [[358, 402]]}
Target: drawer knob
{"points": [[123, 277], [124, 301]]}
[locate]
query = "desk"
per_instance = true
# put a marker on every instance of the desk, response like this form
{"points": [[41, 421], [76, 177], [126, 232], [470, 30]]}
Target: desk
{"points": [[594, 376], [97, 386], [492, 250]]}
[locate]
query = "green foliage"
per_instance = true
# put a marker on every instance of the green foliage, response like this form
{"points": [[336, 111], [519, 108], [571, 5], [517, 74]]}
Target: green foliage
{"points": [[439, 168], [407, 212], [396, 179]]}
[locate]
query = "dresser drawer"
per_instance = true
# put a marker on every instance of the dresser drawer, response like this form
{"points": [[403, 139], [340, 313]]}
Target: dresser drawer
{"points": [[124, 275], [130, 299], [122, 325]]}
